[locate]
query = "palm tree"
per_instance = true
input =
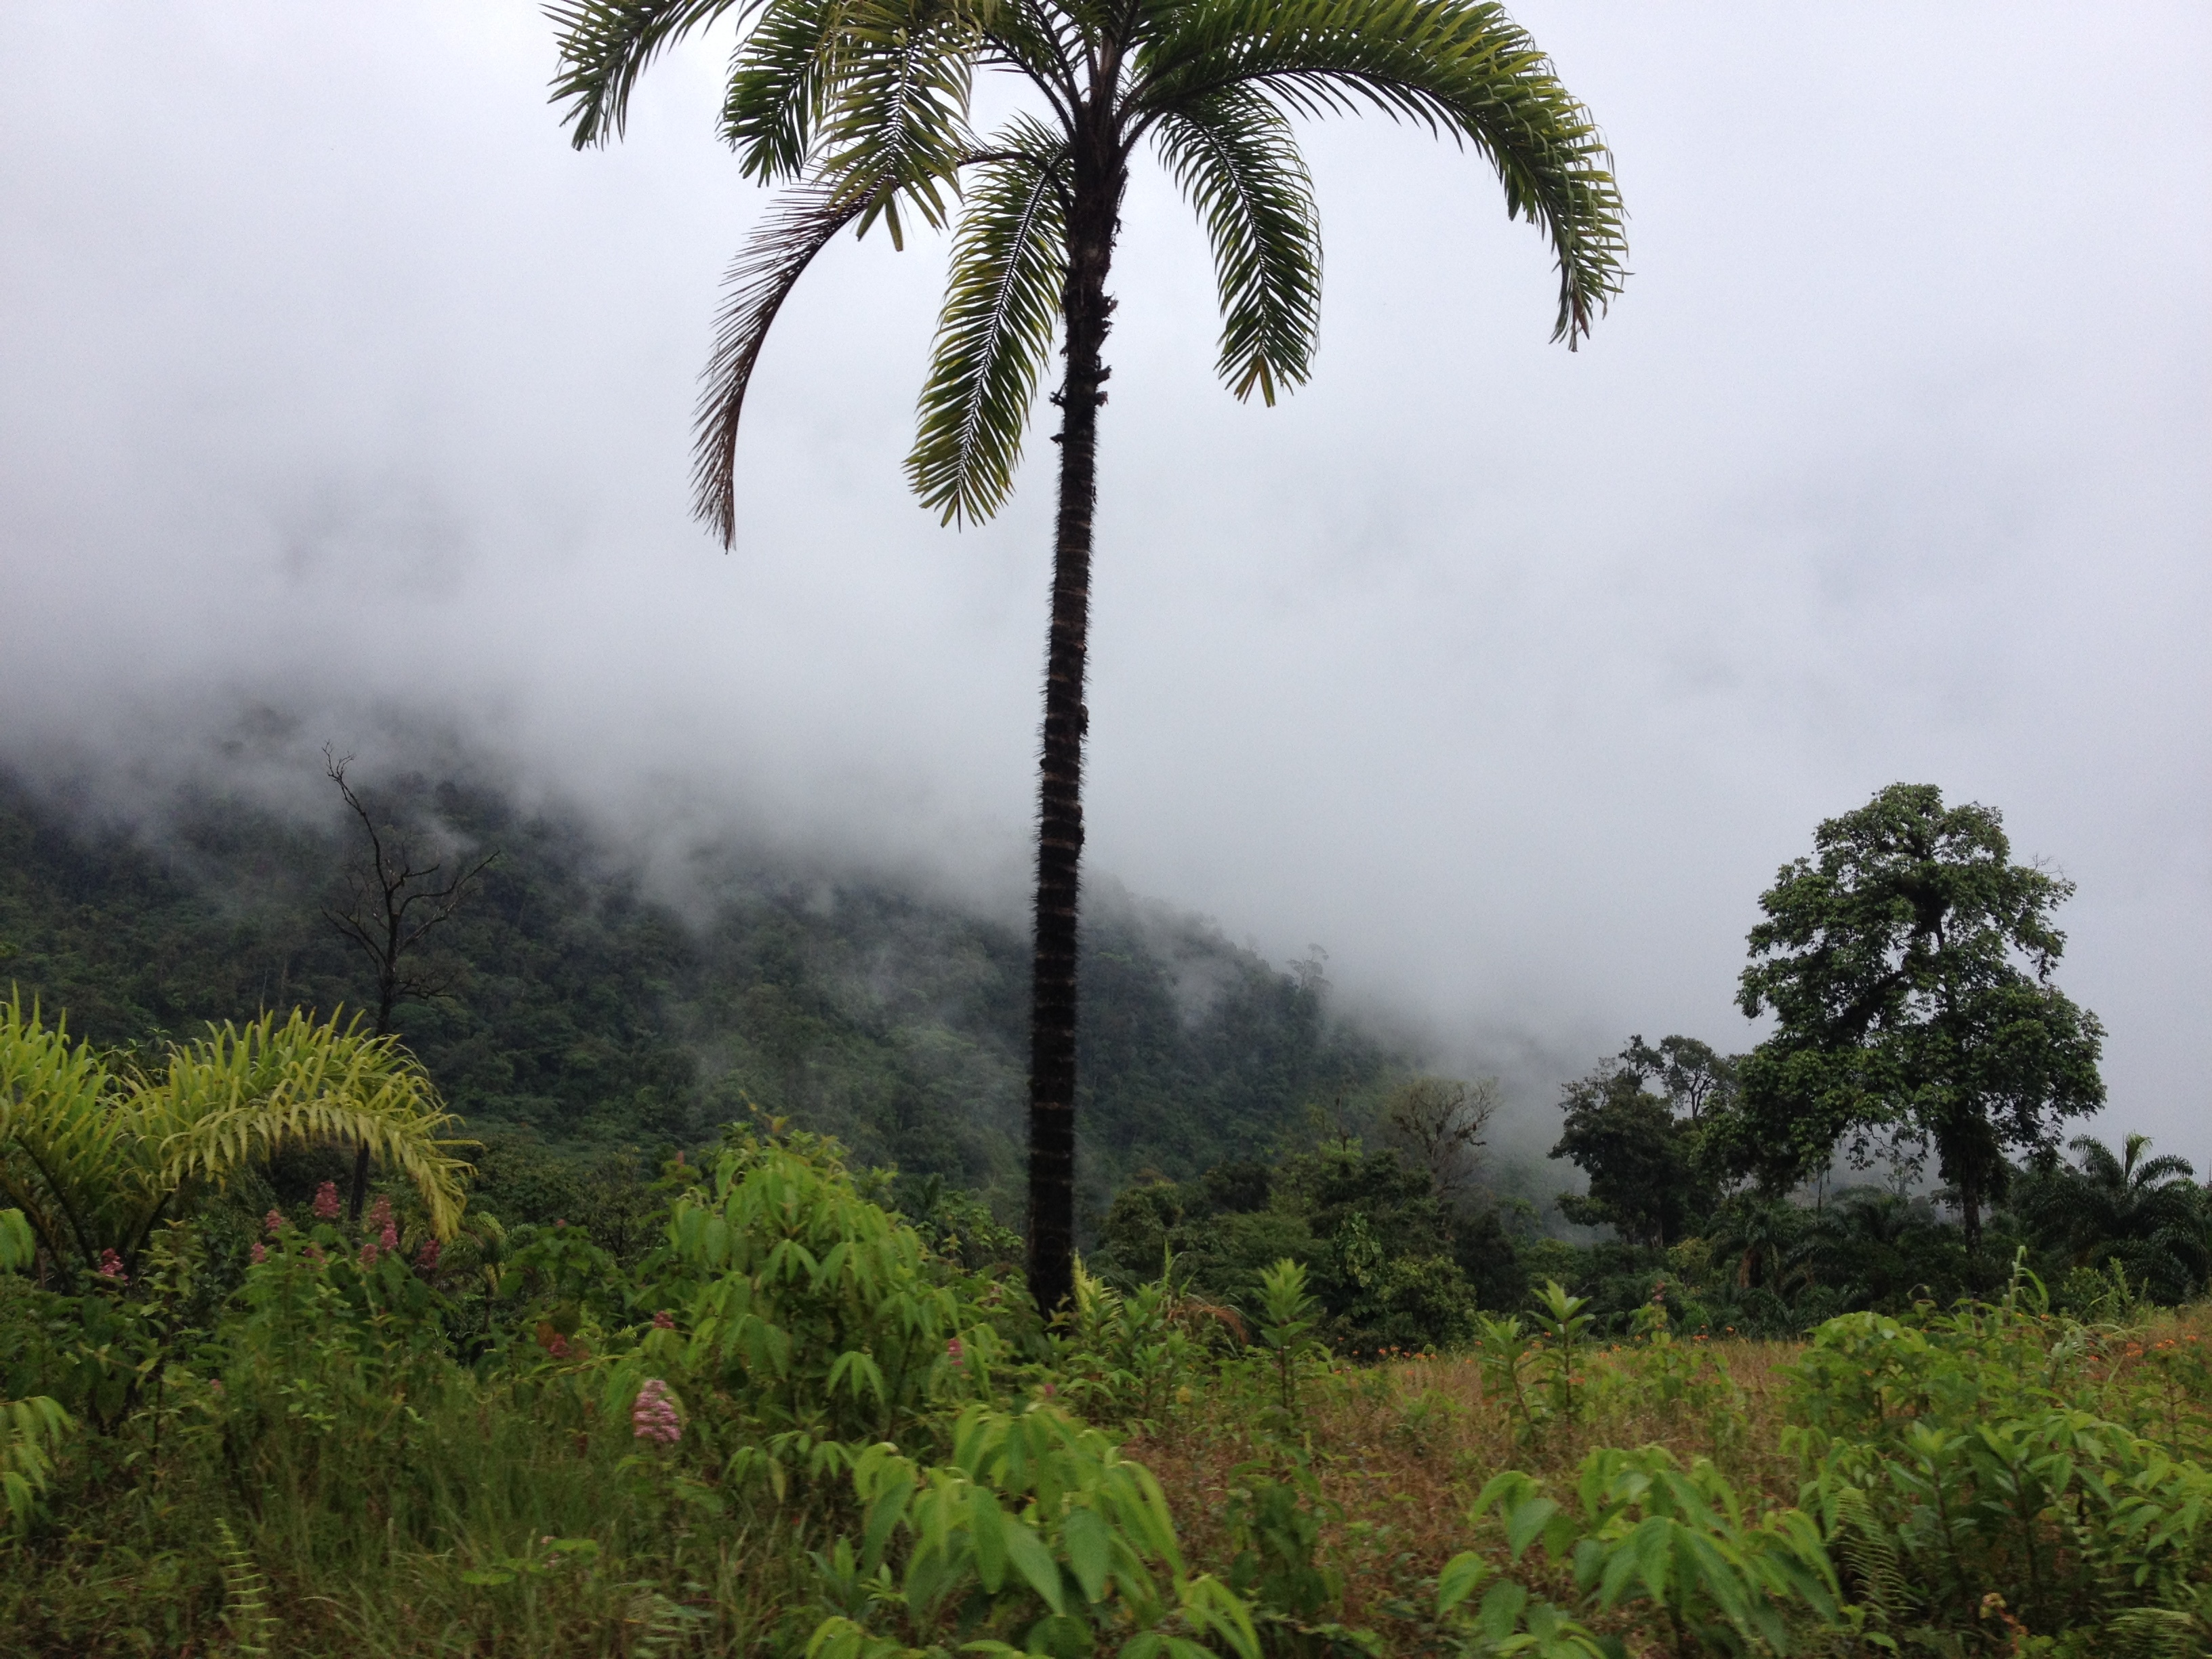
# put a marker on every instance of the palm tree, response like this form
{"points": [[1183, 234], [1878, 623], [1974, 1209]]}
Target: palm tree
{"points": [[861, 107], [92, 1158], [2146, 1213]]}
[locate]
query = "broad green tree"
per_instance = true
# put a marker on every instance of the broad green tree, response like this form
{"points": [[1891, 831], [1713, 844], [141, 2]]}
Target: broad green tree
{"points": [[1907, 965], [861, 110], [1640, 1159]]}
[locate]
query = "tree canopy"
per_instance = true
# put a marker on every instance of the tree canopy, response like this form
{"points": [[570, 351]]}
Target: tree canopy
{"points": [[1908, 965]]}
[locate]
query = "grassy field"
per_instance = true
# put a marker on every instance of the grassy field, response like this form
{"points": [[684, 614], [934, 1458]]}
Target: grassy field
{"points": [[1399, 1450]]}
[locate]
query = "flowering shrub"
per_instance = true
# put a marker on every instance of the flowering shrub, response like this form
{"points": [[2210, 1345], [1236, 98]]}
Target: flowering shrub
{"points": [[653, 1417]]}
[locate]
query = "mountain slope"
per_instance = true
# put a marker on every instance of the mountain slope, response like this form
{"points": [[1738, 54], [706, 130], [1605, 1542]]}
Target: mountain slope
{"points": [[581, 1007]]}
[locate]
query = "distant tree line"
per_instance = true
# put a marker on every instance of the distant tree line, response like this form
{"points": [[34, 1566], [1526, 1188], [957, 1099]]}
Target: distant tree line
{"points": [[1899, 1137]]}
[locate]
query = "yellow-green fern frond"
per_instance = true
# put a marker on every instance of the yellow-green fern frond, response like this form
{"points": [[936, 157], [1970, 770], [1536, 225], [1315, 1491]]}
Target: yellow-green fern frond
{"points": [[31, 1435], [238, 1094]]}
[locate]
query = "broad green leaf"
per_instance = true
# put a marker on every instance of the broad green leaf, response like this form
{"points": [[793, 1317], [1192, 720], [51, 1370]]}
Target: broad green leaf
{"points": [[987, 1529], [1526, 1520], [1034, 1561], [1462, 1574], [1088, 1542]]}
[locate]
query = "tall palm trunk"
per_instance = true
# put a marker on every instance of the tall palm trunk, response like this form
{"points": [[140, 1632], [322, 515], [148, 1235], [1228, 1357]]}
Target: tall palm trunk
{"points": [[1091, 223]]}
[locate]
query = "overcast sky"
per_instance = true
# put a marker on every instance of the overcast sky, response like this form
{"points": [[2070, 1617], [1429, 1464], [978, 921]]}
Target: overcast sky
{"points": [[331, 378]]}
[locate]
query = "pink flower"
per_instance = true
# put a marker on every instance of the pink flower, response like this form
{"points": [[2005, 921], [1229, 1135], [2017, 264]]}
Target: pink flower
{"points": [[663, 1320], [111, 1266], [274, 1221], [958, 1353], [427, 1257], [369, 1255], [326, 1202], [389, 1238], [260, 1253], [653, 1417]]}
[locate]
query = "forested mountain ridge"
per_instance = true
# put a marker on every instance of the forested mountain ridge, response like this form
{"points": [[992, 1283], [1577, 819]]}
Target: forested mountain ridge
{"points": [[581, 1007]]}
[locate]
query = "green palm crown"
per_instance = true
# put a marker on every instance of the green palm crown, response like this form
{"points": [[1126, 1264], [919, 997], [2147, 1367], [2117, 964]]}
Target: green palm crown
{"points": [[861, 109]]}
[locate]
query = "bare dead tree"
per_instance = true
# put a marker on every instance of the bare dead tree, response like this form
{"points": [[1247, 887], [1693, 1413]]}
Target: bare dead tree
{"points": [[1440, 1121], [393, 904]]}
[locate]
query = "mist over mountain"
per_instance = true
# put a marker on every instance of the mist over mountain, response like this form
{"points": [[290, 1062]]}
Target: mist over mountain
{"points": [[589, 996]]}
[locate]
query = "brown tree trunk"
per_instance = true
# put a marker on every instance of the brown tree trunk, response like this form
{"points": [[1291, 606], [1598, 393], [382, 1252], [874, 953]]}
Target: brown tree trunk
{"points": [[1060, 792]]}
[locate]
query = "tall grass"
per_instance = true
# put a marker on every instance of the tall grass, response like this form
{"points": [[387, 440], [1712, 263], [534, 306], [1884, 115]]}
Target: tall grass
{"points": [[502, 1520]]}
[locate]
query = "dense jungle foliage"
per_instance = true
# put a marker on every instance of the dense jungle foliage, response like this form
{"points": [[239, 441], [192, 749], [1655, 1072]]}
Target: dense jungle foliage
{"points": [[796, 1422]]}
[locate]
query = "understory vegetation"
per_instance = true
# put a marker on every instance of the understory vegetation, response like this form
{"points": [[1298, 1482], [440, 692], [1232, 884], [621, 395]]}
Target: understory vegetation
{"points": [[795, 1422]]}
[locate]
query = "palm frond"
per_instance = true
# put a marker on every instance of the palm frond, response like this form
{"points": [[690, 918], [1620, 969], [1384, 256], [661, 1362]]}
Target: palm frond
{"points": [[896, 129], [1009, 263], [1043, 43], [1234, 156], [240, 1093], [605, 45], [781, 80], [93, 1159], [1456, 68], [66, 1161], [795, 229]]}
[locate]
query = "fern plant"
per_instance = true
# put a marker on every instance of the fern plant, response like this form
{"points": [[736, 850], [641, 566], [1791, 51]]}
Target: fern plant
{"points": [[97, 1158], [244, 1596]]}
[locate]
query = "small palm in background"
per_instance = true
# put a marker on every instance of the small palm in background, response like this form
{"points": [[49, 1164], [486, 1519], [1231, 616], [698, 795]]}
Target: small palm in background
{"points": [[2146, 1213], [861, 108]]}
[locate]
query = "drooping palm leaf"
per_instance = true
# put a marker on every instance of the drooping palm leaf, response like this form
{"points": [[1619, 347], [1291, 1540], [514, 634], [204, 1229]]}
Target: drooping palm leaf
{"points": [[795, 229], [897, 129], [95, 1159], [1234, 155], [238, 1094], [55, 1127], [994, 334], [1466, 71], [605, 45]]}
